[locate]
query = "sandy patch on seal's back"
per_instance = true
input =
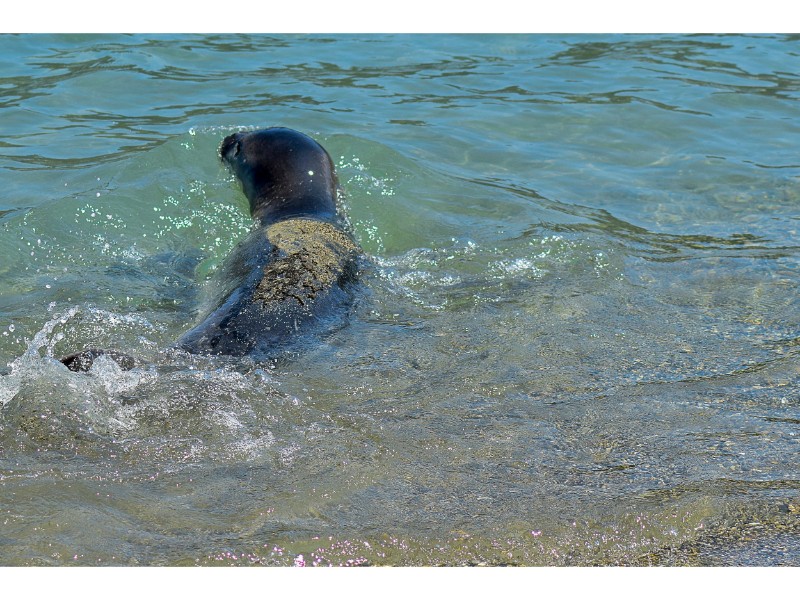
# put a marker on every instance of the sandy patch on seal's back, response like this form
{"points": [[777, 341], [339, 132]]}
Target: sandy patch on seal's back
{"points": [[308, 257]]}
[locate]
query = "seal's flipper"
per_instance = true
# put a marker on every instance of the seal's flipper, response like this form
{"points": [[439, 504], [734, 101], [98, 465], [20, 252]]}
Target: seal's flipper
{"points": [[81, 362]]}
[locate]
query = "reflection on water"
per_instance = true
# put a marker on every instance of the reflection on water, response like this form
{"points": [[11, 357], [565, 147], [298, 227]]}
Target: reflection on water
{"points": [[576, 343]]}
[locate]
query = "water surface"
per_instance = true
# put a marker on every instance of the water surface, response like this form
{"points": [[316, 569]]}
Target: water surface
{"points": [[577, 343]]}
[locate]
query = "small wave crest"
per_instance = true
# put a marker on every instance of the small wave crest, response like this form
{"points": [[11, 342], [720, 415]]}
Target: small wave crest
{"points": [[175, 409]]}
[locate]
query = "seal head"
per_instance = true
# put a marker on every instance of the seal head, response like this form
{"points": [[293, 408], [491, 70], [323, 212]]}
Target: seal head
{"points": [[284, 174]]}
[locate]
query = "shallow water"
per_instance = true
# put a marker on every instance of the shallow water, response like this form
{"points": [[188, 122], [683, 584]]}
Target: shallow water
{"points": [[577, 342]]}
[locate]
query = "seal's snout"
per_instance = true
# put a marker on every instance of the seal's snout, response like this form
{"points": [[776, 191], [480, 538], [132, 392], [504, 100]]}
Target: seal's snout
{"points": [[229, 147]]}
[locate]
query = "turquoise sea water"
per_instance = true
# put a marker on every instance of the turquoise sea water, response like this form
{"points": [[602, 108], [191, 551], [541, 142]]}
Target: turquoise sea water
{"points": [[577, 343]]}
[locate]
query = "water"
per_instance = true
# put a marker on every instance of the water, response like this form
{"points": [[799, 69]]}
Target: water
{"points": [[577, 343]]}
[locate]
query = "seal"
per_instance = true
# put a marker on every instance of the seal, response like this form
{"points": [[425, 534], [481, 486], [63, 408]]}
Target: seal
{"points": [[295, 271]]}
